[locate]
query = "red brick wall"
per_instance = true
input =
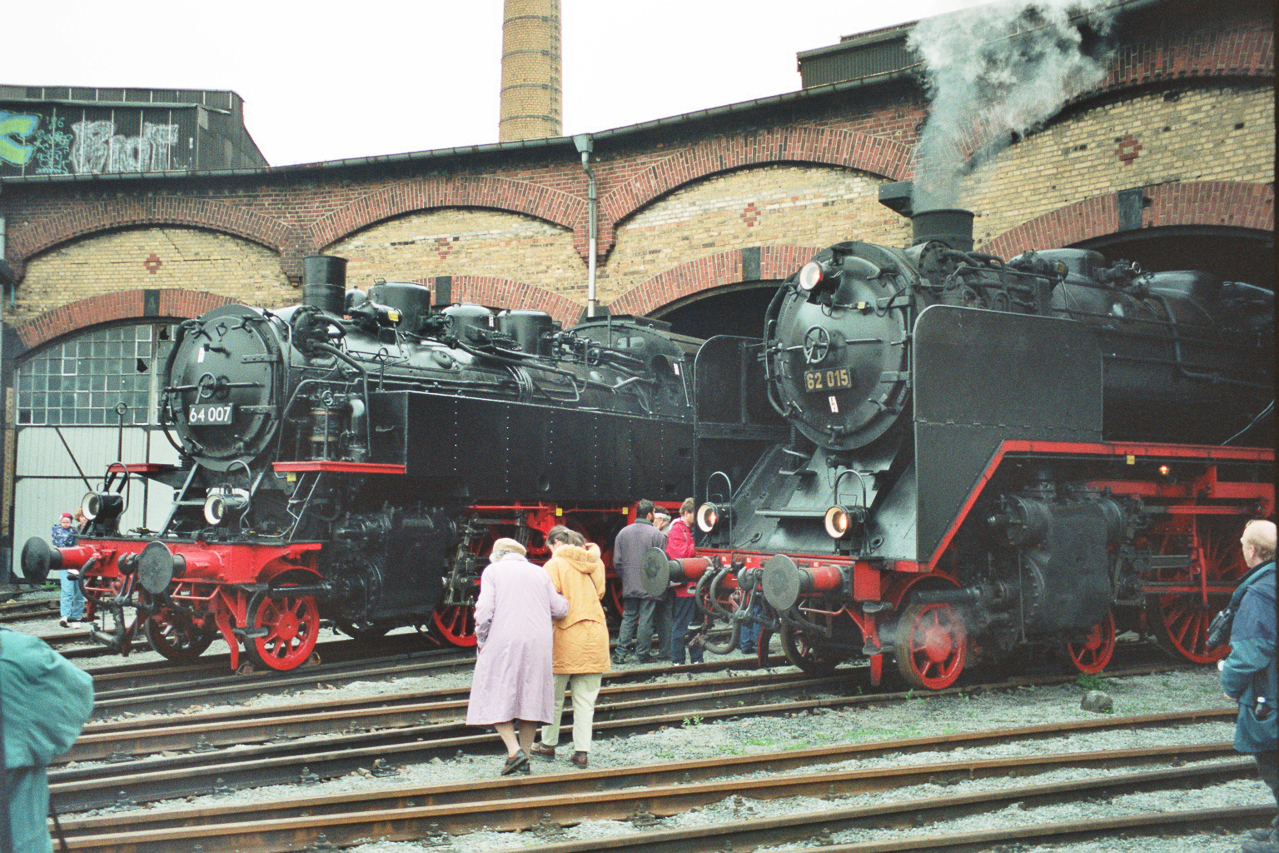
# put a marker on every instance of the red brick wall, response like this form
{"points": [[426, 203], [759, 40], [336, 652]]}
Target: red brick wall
{"points": [[1187, 114]]}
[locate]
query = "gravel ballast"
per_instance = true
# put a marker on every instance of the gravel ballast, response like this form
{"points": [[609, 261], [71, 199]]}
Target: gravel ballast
{"points": [[925, 716]]}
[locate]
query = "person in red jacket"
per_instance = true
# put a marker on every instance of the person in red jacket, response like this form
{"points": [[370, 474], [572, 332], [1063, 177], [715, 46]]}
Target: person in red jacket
{"points": [[679, 544]]}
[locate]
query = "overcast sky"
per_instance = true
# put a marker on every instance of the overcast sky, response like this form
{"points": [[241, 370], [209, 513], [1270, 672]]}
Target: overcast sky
{"points": [[326, 81]]}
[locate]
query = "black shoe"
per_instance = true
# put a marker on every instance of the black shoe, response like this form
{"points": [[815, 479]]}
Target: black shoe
{"points": [[515, 764]]}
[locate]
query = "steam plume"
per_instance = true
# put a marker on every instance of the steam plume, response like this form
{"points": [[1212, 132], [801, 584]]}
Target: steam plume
{"points": [[994, 71]]}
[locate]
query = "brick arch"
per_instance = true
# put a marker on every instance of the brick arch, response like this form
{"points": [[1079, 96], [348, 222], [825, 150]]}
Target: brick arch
{"points": [[1237, 50], [551, 205], [775, 263], [509, 293], [142, 211], [126, 305], [1225, 203], [816, 145]]}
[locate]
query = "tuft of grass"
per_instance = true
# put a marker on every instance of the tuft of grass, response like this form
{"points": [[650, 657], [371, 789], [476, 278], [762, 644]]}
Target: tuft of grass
{"points": [[1091, 681]]}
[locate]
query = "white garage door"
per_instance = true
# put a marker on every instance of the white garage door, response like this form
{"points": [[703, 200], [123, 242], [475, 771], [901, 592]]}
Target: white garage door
{"points": [[71, 400]]}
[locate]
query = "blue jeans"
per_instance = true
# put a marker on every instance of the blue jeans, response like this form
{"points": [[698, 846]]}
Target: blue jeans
{"points": [[72, 599], [749, 633], [683, 611]]}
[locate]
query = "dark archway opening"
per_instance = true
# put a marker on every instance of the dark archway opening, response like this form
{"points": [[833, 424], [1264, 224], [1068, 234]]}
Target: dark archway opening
{"points": [[732, 310], [1234, 254]]}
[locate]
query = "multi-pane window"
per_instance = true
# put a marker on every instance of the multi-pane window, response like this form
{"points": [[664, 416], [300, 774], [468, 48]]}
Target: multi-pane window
{"points": [[81, 381]]}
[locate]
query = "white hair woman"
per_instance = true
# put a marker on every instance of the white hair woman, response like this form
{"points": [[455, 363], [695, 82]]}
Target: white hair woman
{"points": [[512, 686]]}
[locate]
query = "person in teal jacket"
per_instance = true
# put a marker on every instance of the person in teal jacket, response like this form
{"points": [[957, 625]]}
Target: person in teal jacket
{"points": [[44, 702], [1249, 675]]}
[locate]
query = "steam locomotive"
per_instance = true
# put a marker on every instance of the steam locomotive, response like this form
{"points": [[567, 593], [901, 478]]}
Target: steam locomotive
{"points": [[348, 459], [934, 456]]}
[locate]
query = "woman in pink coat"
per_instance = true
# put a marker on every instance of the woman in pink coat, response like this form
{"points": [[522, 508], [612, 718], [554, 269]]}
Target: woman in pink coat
{"points": [[512, 685]]}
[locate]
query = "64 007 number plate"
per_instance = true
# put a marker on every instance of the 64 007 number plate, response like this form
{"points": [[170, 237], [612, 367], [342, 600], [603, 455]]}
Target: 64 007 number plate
{"points": [[211, 414], [828, 380]]}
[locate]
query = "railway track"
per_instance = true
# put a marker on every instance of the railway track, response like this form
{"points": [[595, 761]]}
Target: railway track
{"points": [[165, 687], [644, 795], [424, 731], [14, 609]]}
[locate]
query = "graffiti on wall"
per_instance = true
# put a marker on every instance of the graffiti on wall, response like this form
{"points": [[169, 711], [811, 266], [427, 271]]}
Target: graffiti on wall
{"points": [[14, 131], [98, 148], [42, 145]]}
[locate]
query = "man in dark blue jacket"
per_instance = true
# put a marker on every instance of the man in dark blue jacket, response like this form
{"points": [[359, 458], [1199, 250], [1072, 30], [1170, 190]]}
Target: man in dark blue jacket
{"points": [[1249, 674]]}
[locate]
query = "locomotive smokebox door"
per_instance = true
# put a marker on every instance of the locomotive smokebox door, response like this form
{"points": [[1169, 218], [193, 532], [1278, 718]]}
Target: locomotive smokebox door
{"points": [[223, 385]]}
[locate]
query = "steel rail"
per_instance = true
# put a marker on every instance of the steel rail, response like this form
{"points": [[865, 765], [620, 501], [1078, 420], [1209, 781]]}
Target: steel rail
{"points": [[716, 838], [28, 611], [366, 818], [85, 787], [122, 738]]}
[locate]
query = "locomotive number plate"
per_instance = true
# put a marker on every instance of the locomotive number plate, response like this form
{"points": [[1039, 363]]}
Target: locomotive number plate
{"points": [[828, 380], [210, 414]]}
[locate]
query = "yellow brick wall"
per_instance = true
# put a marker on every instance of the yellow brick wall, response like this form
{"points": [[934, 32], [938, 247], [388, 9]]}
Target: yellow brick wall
{"points": [[188, 259], [765, 206], [1190, 137], [465, 242]]}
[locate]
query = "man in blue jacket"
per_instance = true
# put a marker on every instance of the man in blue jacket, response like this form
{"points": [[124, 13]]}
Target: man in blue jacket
{"points": [[44, 702], [1249, 674]]}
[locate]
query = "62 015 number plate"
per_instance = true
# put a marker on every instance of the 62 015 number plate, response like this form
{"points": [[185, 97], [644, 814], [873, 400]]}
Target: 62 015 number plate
{"points": [[828, 380], [211, 414]]}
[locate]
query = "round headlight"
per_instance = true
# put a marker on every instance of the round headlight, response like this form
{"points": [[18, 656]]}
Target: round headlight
{"points": [[810, 275], [220, 506], [837, 522], [707, 517], [102, 505]]}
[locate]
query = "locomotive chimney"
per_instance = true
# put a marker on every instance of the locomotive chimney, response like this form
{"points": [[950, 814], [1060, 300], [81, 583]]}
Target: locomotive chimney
{"points": [[530, 101], [324, 282], [949, 226]]}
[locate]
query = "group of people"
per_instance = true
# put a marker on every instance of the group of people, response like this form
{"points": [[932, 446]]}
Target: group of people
{"points": [[540, 630], [672, 613]]}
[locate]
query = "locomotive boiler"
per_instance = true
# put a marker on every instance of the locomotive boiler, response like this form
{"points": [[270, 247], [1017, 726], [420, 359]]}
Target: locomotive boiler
{"points": [[347, 459], [935, 456]]}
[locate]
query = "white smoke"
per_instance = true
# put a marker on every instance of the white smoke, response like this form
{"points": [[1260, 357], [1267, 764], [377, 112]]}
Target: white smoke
{"points": [[994, 71]]}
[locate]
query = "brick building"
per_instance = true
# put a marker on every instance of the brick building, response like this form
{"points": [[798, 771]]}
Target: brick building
{"points": [[1168, 160]]}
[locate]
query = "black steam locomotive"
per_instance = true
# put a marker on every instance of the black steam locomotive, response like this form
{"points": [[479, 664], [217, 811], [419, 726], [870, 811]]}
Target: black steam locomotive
{"points": [[346, 460], [939, 456]]}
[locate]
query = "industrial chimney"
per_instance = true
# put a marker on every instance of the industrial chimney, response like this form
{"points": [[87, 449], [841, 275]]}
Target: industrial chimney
{"points": [[530, 70]]}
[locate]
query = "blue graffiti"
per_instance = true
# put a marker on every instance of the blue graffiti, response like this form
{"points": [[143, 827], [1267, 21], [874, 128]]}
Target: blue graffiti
{"points": [[13, 129]]}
